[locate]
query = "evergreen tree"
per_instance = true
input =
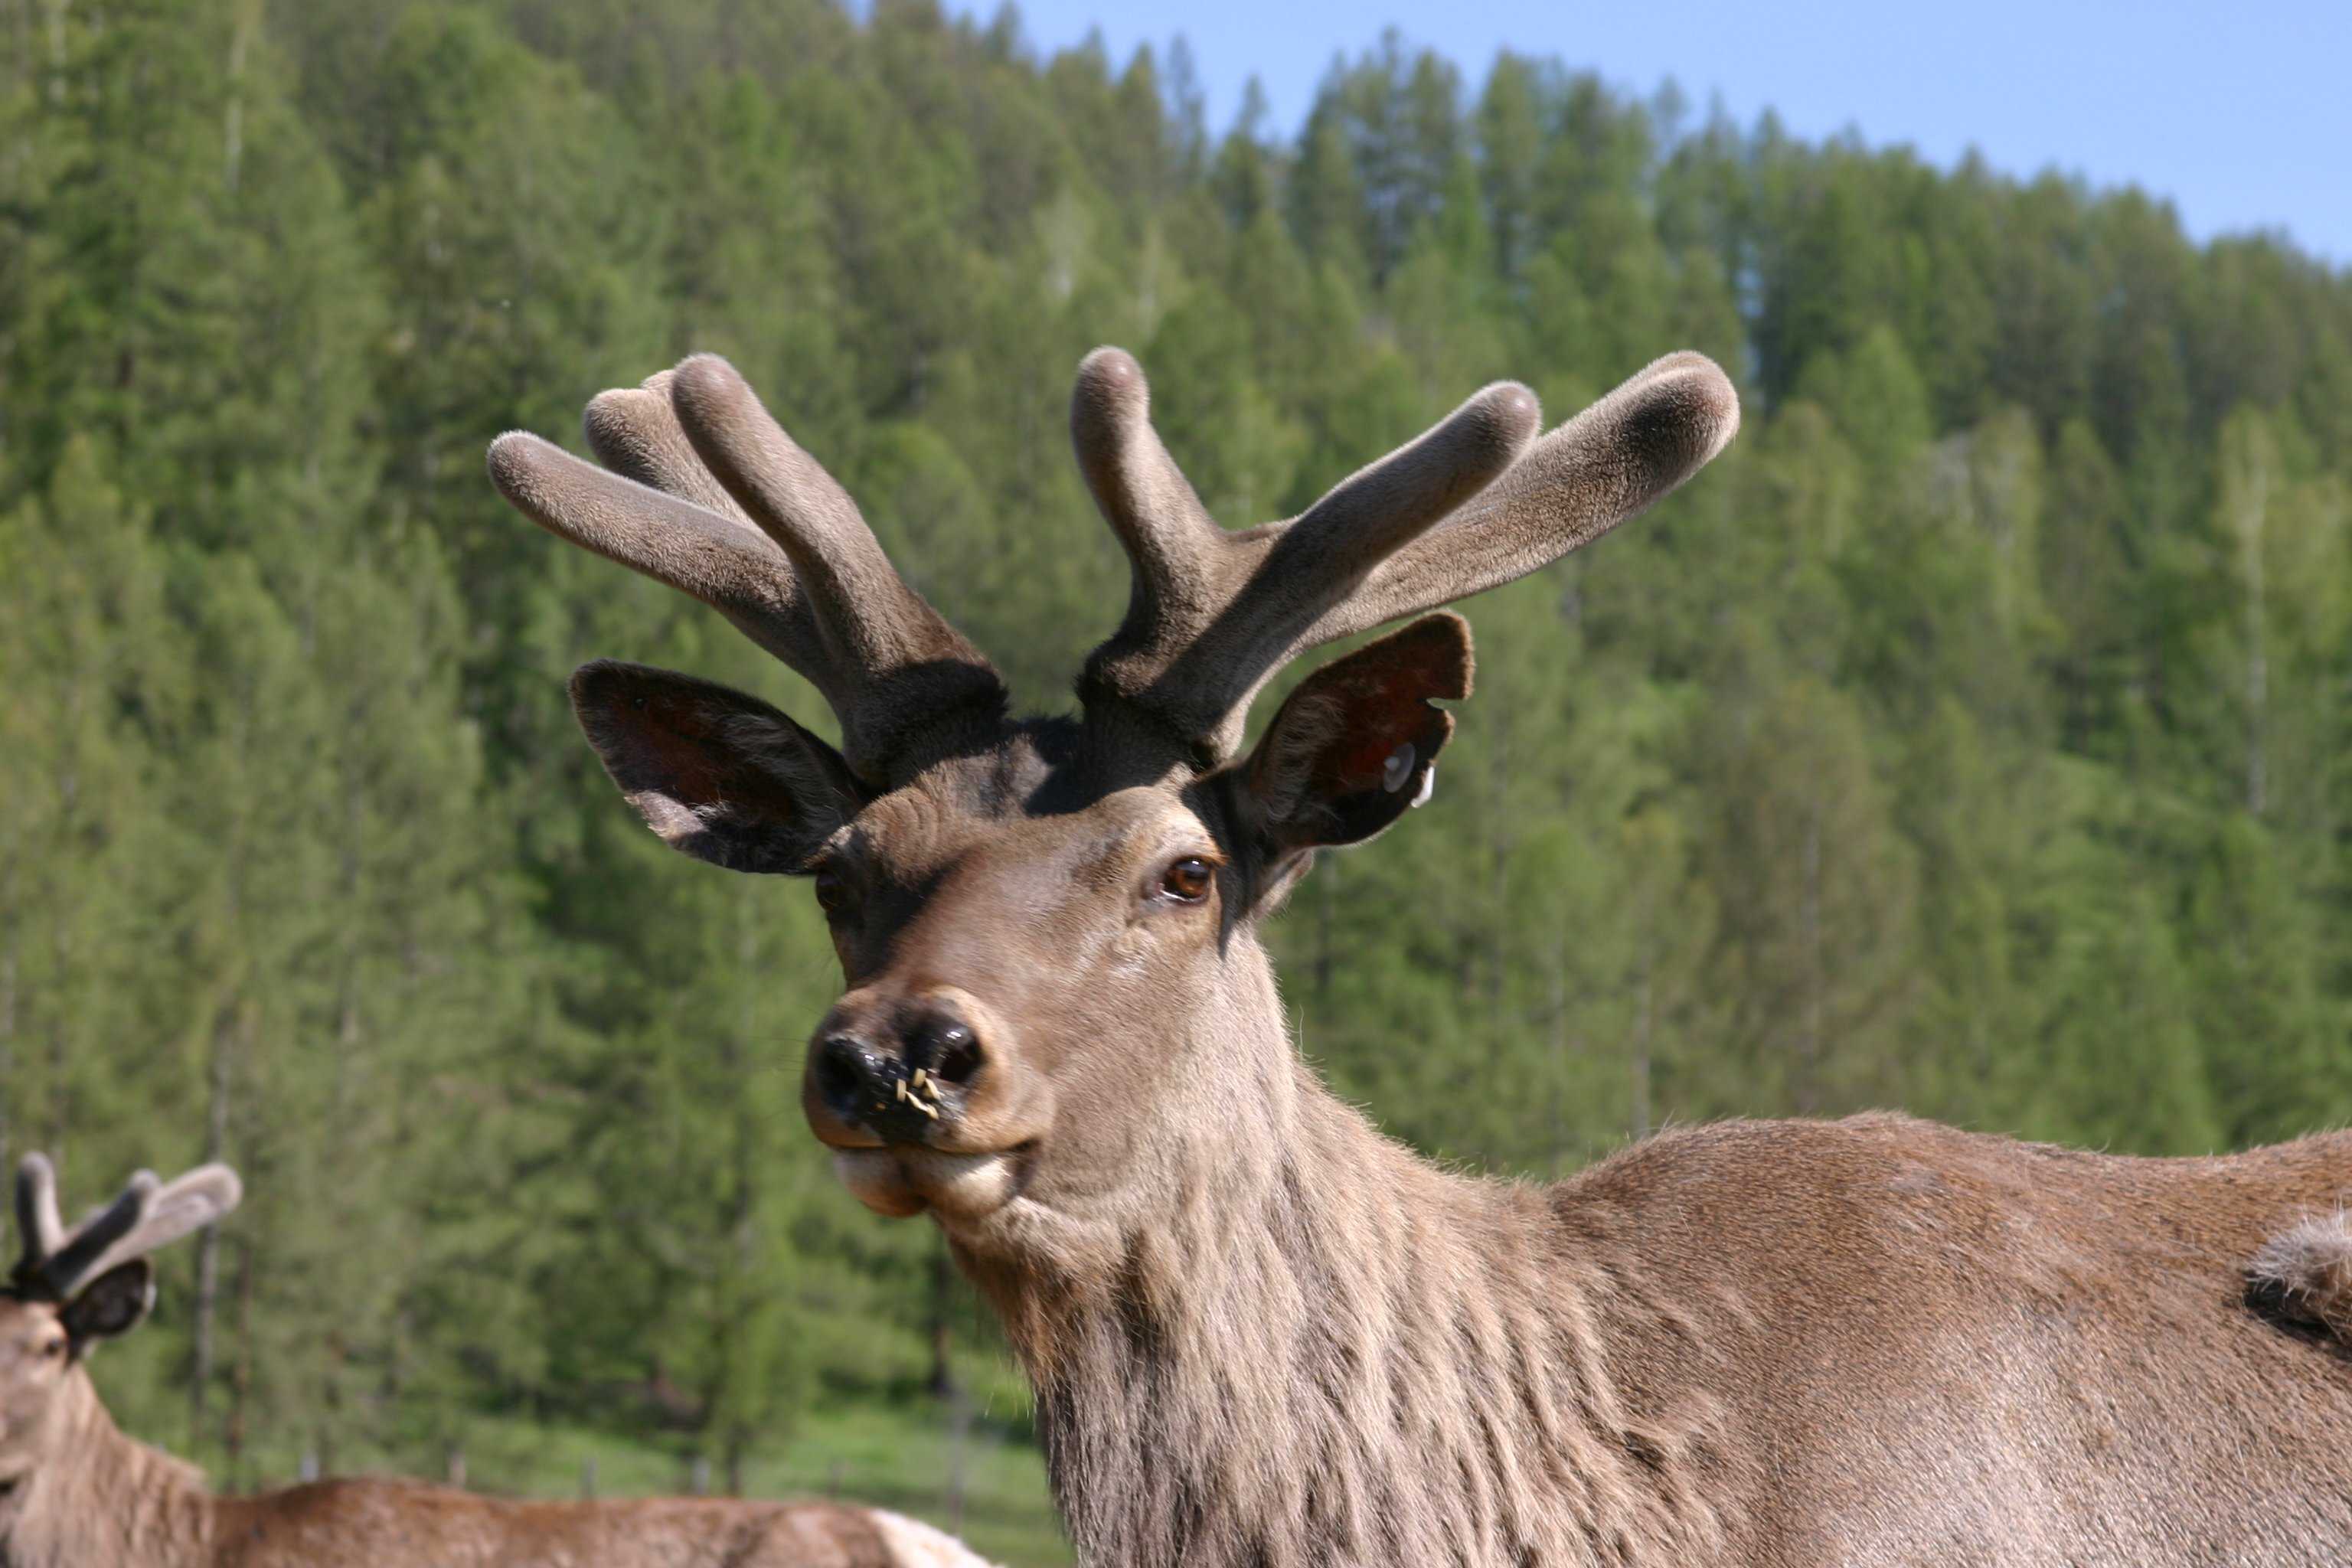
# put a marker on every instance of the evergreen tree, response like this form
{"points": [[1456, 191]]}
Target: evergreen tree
{"points": [[1970, 738]]}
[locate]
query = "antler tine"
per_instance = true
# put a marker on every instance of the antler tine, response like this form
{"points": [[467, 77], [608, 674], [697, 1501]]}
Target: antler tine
{"points": [[633, 431], [145, 1216], [65, 1265], [1169, 538], [1395, 538], [189, 1202], [38, 1226], [862, 602], [1374, 511], [1214, 612], [712, 498], [911, 665], [1609, 463], [726, 565]]}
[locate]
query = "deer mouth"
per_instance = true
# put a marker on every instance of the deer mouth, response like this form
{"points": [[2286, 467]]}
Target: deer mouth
{"points": [[901, 1179]]}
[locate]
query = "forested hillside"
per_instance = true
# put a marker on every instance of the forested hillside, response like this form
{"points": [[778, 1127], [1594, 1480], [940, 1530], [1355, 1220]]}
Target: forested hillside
{"points": [[1970, 738]]}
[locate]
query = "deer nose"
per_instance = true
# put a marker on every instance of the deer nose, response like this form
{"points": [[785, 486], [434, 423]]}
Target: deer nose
{"points": [[854, 1076], [941, 1041], [900, 1083]]}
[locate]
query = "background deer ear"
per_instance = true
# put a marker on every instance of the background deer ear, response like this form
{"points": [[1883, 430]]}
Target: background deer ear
{"points": [[114, 1303], [1355, 745], [719, 774]]}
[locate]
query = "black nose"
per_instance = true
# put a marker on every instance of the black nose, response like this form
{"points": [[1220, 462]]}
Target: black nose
{"points": [[901, 1091], [856, 1080], [940, 1042]]}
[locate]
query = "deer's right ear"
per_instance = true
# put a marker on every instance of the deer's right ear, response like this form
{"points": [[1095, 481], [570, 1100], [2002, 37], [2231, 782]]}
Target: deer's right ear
{"points": [[113, 1304], [719, 774], [1356, 745]]}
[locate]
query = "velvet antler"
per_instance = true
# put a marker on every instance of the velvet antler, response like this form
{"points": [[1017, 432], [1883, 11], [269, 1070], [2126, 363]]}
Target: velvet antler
{"points": [[147, 1216], [1468, 506], [703, 490]]}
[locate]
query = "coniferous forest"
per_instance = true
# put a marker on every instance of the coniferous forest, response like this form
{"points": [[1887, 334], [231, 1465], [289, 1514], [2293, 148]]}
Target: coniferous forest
{"points": [[1971, 738]]}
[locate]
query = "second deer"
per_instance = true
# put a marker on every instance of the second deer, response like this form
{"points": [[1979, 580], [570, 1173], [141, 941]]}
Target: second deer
{"points": [[75, 1492]]}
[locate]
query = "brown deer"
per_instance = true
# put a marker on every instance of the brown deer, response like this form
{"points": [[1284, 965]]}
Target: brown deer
{"points": [[1259, 1332], [76, 1493]]}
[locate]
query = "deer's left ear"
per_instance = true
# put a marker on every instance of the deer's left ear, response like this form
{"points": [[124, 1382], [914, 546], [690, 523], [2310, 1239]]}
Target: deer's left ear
{"points": [[111, 1305], [1355, 746]]}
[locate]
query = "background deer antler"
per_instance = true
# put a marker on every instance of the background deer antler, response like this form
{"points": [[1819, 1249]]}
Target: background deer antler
{"points": [[1214, 614], [147, 1216]]}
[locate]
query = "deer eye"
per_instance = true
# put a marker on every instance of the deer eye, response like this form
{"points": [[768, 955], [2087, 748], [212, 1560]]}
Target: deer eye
{"points": [[832, 891], [1188, 881]]}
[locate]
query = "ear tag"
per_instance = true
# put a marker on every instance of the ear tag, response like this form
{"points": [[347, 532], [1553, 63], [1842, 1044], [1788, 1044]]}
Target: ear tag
{"points": [[1398, 768], [1428, 787]]}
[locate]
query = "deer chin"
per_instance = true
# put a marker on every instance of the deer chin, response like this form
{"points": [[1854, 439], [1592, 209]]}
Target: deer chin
{"points": [[902, 1180]]}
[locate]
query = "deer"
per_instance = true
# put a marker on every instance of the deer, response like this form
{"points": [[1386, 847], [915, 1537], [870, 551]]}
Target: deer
{"points": [[75, 1492], [1258, 1332]]}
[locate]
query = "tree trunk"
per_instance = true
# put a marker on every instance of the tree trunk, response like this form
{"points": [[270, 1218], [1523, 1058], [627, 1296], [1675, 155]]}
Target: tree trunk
{"points": [[732, 1321], [1559, 1047], [1815, 980], [240, 1395], [958, 1460], [942, 1380], [57, 9], [7, 1041], [1327, 881], [1498, 892], [220, 1080], [2252, 515], [240, 43], [1641, 1065]]}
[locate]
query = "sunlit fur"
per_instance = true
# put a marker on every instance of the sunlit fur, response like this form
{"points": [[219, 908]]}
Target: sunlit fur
{"points": [[1272, 1336], [1261, 1333], [2306, 1272]]}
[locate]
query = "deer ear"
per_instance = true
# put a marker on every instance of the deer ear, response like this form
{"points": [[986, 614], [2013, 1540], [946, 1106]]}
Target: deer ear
{"points": [[719, 774], [113, 1304], [1354, 747]]}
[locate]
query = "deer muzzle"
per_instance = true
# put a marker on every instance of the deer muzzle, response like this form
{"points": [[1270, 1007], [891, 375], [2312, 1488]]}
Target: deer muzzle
{"points": [[893, 1071], [923, 1097]]}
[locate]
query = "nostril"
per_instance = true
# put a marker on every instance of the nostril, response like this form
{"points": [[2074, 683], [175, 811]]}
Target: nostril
{"points": [[959, 1053], [841, 1069]]}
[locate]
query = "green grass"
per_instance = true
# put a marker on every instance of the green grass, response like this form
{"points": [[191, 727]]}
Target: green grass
{"points": [[876, 1454], [877, 1440], [900, 1457]]}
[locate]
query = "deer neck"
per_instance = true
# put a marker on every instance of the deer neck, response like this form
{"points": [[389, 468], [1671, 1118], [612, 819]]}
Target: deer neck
{"points": [[1331, 1351], [100, 1496]]}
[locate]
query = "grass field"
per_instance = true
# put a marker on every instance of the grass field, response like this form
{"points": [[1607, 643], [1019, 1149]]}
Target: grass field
{"points": [[889, 1456], [989, 1489], [878, 1440]]}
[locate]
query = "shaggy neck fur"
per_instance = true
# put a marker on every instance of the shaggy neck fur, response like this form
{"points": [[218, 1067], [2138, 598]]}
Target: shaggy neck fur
{"points": [[1333, 1352], [103, 1498]]}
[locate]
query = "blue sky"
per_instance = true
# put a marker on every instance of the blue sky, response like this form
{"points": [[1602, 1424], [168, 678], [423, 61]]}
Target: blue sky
{"points": [[2244, 121]]}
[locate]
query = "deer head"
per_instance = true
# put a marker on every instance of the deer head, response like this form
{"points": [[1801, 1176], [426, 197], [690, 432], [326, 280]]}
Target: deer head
{"points": [[1057, 1014], [71, 1289]]}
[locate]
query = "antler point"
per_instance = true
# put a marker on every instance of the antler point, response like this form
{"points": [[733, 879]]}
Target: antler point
{"points": [[504, 451], [1111, 378], [701, 382]]}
